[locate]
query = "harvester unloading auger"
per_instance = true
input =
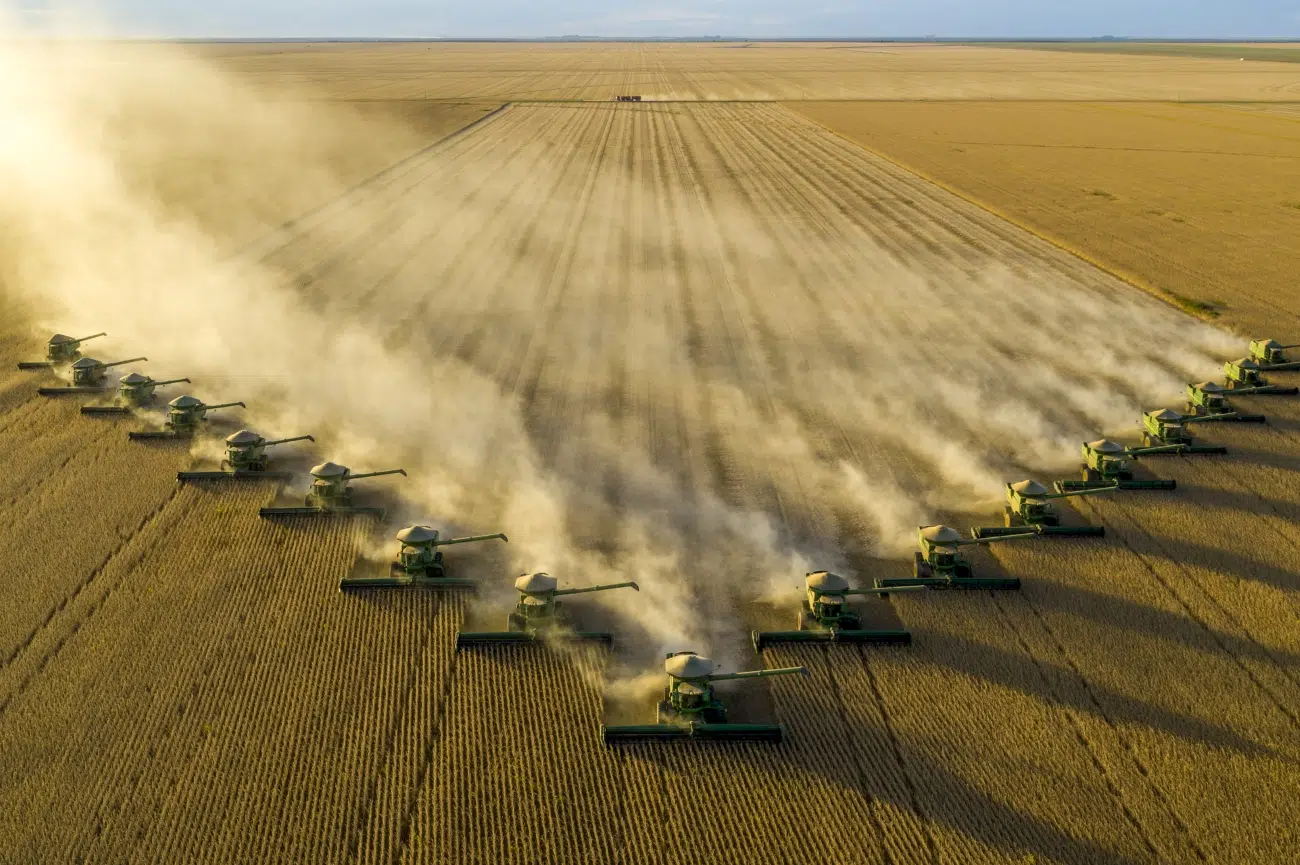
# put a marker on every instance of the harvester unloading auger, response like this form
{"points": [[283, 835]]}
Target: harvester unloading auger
{"points": [[538, 615], [134, 390], [184, 414], [1165, 427], [419, 563], [939, 564], [88, 377], [825, 616], [1244, 375], [1027, 505], [247, 458], [61, 350], [1209, 400], [331, 493], [1106, 464], [691, 710], [1271, 354]]}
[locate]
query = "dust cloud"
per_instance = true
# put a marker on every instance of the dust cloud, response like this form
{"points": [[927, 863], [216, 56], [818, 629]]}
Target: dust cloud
{"points": [[557, 334]]}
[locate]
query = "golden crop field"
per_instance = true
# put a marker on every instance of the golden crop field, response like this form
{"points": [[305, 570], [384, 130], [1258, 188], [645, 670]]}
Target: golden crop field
{"points": [[708, 344]]}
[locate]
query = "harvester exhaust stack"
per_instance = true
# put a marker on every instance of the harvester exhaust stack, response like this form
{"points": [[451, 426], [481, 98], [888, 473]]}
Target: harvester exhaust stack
{"points": [[691, 710], [419, 563], [825, 617], [331, 494], [538, 616], [60, 350]]}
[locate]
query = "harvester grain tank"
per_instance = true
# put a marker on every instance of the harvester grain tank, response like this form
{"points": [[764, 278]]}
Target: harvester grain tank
{"points": [[88, 377], [825, 616], [1106, 463], [538, 615], [1209, 400], [246, 455], [691, 710], [134, 390], [331, 493], [60, 350], [184, 414], [1028, 504], [940, 565], [1244, 376], [1271, 354], [1163, 427], [419, 562]]}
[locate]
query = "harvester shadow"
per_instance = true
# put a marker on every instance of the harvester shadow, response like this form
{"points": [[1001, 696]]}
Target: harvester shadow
{"points": [[1015, 671], [1224, 561], [1111, 612]]}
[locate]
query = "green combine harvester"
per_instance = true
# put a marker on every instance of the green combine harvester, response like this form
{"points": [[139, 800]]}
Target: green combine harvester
{"points": [[1106, 464], [184, 415], [825, 616], [1027, 505], [1165, 427], [88, 377], [419, 563], [940, 565], [691, 710], [1244, 375], [331, 493], [61, 350], [1271, 354], [246, 456], [134, 390], [1209, 400], [538, 616]]}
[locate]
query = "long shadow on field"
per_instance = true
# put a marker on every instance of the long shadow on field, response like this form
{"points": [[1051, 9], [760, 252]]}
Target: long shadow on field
{"points": [[1112, 612], [1230, 562], [930, 790], [1019, 672]]}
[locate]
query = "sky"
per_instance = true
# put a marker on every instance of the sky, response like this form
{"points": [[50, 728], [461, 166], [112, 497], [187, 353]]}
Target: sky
{"points": [[747, 18]]}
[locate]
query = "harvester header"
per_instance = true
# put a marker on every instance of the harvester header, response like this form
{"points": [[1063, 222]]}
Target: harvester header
{"points": [[60, 350], [538, 614], [690, 708]]}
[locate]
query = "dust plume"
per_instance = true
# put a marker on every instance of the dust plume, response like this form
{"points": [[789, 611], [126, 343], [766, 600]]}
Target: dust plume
{"points": [[634, 338]]}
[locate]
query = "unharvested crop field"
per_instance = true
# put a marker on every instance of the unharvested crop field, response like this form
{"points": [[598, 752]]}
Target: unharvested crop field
{"points": [[705, 345]]}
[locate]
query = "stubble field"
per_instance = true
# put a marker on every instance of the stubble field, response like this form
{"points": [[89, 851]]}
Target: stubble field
{"points": [[708, 347]]}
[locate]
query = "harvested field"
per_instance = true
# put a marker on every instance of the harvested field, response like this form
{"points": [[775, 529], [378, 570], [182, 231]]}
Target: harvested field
{"points": [[707, 347], [1198, 201]]}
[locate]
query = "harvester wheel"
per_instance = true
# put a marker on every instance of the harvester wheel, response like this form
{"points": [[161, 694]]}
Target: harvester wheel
{"points": [[516, 623], [1146, 440], [1008, 519], [920, 567], [803, 621], [962, 571], [714, 715], [664, 712]]}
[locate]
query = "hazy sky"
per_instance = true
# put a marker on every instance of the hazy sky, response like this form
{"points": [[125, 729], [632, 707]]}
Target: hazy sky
{"points": [[785, 18]]}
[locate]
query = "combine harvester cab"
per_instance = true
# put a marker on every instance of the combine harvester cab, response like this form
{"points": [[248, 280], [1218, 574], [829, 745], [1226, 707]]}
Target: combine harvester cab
{"points": [[1244, 376], [940, 565], [1167, 428], [419, 563], [1028, 505], [88, 377], [1106, 464], [60, 351], [1271, 354], [134, 390], [331, 494], [537, 616], [1208, 400], [184, 415], [691, 710], [247, 458], [825, 616]]}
